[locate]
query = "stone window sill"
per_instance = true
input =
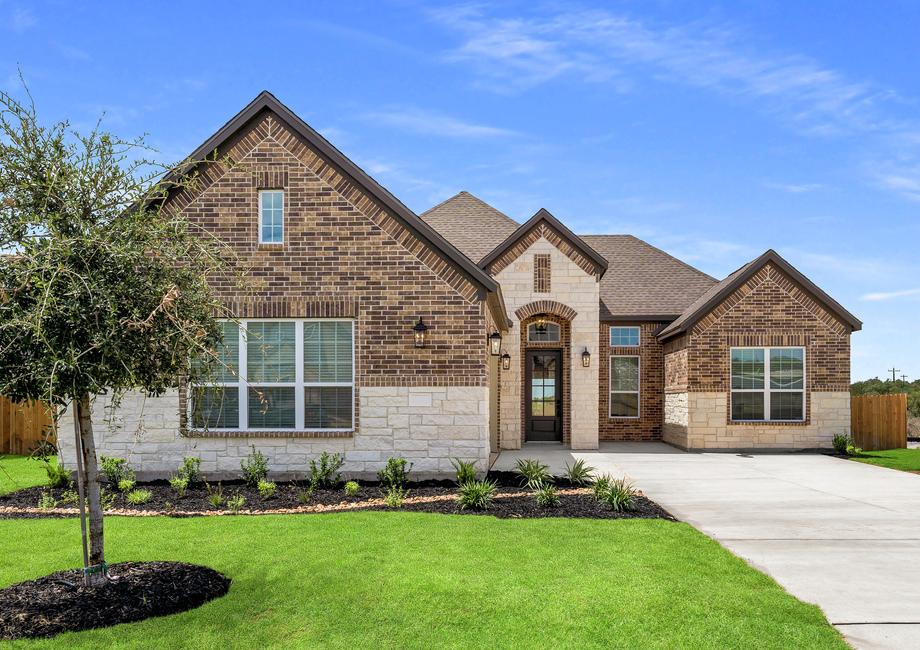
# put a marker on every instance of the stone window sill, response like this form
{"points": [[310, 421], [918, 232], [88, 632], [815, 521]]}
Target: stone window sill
{"points": [[768, 423], [258, 433]]}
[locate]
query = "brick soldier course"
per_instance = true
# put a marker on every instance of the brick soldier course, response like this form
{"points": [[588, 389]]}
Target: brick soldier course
{"points": [[352, 251]]}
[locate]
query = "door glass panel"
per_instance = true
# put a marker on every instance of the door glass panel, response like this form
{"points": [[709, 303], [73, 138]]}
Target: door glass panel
{"points": [[543, 386]]}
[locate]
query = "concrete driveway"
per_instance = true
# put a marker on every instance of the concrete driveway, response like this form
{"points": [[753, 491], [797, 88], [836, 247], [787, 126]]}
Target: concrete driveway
{"points": [[840, 534]]}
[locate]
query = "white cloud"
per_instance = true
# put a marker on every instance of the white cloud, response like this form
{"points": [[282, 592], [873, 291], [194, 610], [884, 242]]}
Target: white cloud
{"points": [[429, 123], [22, 19], [904, 181], [794, 188], [891, 295]]}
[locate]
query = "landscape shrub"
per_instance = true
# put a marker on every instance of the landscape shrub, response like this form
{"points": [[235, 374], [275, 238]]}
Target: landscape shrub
{"points": [[58, 477], [600, 486], [236, 503], [621, 495], [466, 470], [533, 473], [267, 489], [395, 496], [179, 483], [476, 495], [69, 497], [126, 485], [255, 467], [546, 496], [46, 500], [395, 474], [841, 442], [115, 470], [215, 495], [352, 488], [579, 473], [107, 499], [190, 469], [138, 497], [305, 495], [853, 450], [325, 474]]}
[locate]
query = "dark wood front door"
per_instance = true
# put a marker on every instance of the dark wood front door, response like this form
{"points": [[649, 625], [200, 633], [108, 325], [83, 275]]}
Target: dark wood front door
{"points": [[543, 393]]}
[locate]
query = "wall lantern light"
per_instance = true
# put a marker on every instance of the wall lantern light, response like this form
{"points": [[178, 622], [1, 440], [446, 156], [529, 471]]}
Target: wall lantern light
{"points": [[586, 359], [421, 333], [506, 361], [495, 344]]}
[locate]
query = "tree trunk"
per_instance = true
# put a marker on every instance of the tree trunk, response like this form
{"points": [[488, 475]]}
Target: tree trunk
{"points": [[96, 573]]}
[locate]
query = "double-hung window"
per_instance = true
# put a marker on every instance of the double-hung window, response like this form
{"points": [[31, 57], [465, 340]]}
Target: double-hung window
{"points": [[768, 384], [271, 217], [624, 386], [292, 375], [624, 337]]}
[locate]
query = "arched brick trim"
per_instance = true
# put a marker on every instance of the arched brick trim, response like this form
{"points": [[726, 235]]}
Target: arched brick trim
{"points": [[545, 307]]}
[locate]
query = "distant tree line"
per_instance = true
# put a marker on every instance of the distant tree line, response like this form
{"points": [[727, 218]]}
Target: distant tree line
{"points": [[878, 386]]}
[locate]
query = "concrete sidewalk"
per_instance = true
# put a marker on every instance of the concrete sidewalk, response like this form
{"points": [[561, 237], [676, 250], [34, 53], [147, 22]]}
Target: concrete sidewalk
{"points": [[840, 534]]}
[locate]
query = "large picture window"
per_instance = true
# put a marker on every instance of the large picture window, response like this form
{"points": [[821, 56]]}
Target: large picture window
{"points": [[767, 384], [624, 387], [280, 375]]}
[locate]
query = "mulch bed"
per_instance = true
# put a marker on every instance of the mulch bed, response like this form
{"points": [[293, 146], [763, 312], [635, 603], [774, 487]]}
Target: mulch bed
{"points": [[60, 603], [510, 501]]}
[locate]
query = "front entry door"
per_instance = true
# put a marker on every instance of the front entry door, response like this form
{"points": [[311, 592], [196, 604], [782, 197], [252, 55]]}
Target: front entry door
{"points": [[544, 396]]}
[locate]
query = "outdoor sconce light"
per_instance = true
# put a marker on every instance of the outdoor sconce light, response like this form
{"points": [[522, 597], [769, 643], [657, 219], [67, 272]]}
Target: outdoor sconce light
{"points": [[586, 359], [421, 333], [541, 324], [495, 344], [506, 361]]}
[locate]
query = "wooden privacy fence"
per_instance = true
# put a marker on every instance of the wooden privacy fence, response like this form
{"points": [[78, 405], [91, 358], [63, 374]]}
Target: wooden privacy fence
{"points": [[879, 421], [22, 426]]}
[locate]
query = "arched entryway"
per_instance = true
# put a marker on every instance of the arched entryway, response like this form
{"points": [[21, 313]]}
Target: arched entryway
{"points": [[546, 378]]}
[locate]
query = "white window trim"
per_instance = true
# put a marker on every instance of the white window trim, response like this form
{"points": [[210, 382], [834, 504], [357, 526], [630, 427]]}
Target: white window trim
{"points": [[637, 392], [632, 327], [766, 390], [243, 385], [283, 199]]}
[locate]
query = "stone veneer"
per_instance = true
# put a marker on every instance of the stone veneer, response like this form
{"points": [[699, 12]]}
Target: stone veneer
{"points": [[700, 421], [574, 288], [428, 425]]}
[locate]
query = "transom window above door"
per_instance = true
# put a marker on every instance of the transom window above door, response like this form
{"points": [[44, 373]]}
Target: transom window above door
{"points": [[543, 332]]}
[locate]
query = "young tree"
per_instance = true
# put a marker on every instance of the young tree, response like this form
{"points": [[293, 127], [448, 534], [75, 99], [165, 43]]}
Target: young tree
{"points": [[103, 290]]}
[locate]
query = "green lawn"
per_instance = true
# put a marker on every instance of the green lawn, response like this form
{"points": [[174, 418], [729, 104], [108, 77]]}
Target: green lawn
{"points": [[907, 460], [18, 472], [404, 580]]}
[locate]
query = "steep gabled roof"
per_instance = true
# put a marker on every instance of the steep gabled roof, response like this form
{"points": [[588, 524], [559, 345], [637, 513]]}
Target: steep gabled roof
{"points": [[719, 292], [643, 282], [543, 216], [470, 224], [265, 101]]}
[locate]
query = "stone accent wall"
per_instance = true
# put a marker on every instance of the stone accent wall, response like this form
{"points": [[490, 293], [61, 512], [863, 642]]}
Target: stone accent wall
{"points": [[651, 378], [429, 425], [676, 419], [575, 289], [708, 428]]}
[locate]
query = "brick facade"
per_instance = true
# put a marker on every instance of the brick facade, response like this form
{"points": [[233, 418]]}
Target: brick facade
{"points": [[651, 378], [769, 309]]}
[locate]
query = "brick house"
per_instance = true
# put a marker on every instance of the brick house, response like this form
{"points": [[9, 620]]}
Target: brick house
{"points": [[374, 332]]}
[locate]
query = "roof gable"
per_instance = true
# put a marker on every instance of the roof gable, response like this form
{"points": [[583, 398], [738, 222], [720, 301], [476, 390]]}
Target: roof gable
{"points": [[470, 224], [266, 103], [544, 224], [719, 293]]}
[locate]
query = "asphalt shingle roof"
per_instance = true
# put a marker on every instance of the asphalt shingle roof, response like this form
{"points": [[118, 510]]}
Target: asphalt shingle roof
{"points": [[473, 226], [641, 280]]}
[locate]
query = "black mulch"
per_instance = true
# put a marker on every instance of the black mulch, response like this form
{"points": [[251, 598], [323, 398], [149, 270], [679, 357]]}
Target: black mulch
{"points": [[511, 501], [60, 603]]}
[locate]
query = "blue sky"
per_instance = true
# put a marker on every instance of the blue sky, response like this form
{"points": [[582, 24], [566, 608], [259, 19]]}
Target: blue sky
{"points": [[714, 132]]}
